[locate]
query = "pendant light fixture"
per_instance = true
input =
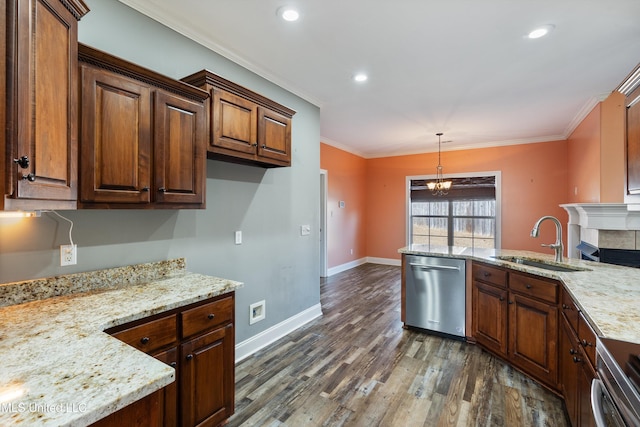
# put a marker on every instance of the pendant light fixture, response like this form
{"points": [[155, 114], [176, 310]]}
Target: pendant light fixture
{"points": [[439, 187]]}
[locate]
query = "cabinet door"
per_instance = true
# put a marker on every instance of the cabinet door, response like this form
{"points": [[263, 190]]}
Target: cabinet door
{"points": [[179, 149], [274, 136], [42, 118], [490, 317], [169, 394], [116, 138], [235, 123], [569, 370], [533, 337], [585, 375], [633, 143], [207, 378]]}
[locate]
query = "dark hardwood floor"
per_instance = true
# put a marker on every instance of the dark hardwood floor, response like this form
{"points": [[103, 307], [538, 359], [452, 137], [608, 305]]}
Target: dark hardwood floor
{"points": [[357, 366]]}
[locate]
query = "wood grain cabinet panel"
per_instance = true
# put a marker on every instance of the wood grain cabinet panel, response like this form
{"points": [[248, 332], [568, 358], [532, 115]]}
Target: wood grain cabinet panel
{"points": [[515, 316], [198, 341], [244, 127], [490, 317], [631, 90], [143, 137], [39, 82]]}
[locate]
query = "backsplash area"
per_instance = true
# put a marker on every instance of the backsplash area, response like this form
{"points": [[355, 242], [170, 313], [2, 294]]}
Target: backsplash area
{"points": [[32, 290]]}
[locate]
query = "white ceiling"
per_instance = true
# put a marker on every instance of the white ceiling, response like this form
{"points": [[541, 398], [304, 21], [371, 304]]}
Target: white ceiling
{"points": [[462, 67]]}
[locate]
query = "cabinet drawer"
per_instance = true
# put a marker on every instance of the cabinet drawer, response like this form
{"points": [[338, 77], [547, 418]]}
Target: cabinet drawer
{"points": [[569, 309], [206, 316], [536, 288], [489, 274], [587, 338], [152, 335]]}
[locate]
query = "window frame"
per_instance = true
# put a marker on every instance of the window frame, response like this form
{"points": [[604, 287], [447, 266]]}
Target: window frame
{"points": [[498, 218]]}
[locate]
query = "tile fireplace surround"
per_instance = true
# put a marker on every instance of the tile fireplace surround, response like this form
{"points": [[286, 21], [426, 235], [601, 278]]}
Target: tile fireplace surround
{"points": [[604, 225]]}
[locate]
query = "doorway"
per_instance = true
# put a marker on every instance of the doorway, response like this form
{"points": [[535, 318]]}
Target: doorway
{"points": [[324, 178]]}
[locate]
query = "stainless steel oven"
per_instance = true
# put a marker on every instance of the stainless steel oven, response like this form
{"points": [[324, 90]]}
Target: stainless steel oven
{"points": [[615, 394]]}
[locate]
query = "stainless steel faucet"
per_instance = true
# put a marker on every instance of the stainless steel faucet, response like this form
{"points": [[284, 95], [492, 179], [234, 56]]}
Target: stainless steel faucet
{"points": [[558, 247]]}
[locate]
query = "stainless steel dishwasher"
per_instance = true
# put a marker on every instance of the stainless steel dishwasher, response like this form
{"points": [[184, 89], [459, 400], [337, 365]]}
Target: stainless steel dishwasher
{"points": [[435, 294]]}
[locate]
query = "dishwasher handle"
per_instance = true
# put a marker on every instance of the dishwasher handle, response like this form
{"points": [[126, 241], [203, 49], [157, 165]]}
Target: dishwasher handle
{"points": [[424, 267]]}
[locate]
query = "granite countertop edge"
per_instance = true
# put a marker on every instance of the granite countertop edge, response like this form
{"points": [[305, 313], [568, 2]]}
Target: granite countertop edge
{"points": [[608, 295], [66, 371]]}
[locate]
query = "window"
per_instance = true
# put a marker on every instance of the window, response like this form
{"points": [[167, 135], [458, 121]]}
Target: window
{"points": [[465, 217]]}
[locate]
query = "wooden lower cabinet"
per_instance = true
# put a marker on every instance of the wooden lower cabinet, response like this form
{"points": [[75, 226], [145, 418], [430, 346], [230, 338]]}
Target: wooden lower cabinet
{"points": [[199, 342], [576, 367], [146, 412], [207, 387], [515, 316]]}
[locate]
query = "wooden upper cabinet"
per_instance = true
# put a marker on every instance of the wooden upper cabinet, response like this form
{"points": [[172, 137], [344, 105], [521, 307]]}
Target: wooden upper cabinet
{"points": [[631, 89], [39, 81], [143, 137], [244, 127], [115, 159]]}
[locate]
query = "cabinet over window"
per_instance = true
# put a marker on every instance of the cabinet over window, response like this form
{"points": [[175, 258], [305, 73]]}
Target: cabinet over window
{"points": [[39, 92], [143, 137], [244, 127]]}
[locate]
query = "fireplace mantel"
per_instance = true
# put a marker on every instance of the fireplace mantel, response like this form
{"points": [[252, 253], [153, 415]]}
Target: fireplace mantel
{"points": [[587, 221]]}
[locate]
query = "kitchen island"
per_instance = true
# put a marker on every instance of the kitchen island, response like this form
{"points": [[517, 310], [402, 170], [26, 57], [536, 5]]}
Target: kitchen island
{"points": [[608, 295], [59, 367]]}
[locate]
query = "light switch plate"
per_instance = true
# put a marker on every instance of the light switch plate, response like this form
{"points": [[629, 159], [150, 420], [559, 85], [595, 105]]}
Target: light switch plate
{"points": [[238, 237]]}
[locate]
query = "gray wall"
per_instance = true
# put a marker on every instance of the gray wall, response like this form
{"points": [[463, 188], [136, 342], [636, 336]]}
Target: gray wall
{"points": [[268, 205]]}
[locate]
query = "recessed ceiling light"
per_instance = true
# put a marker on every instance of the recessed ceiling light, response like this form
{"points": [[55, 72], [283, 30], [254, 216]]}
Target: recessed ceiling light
{"points": [[288, 14], [540, 31], [360, 77]]}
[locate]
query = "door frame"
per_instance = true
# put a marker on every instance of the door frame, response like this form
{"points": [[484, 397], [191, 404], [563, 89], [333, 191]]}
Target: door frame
{"points": [[324, 191]]}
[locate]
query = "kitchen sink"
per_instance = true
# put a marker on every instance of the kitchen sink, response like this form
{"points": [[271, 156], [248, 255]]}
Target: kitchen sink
{"points": [[539, 263]]}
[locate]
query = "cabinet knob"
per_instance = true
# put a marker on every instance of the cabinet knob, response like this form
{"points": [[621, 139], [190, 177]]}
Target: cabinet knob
{"points": [[173, 364], [501, 298], [144, 340], [255, 144], [144, 189], [23, 162], [162, 190], [31, 177], [510, 302], [264, 146], [586, 344], [189, 356], [528, 286], [576, 359], [211, 316], [486, 274], [572, 351]]}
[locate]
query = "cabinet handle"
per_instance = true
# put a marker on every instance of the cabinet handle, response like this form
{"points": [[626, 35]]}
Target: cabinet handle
{"points": [[31, 177], [211, 316], [576, 359], [510, 302], [586, 344], [144, 340], [173, 364], [486, 274], [572, 351], [565, 307], [501, 298], [264, 146], [189, 356], [255, 144], [162, 190], [528, 286], [23, 162], [144, 189]]}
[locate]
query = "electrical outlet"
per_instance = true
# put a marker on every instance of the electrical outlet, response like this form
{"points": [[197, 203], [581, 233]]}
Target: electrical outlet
{"points": [[238, 237], [68, 255], [257, 312]]}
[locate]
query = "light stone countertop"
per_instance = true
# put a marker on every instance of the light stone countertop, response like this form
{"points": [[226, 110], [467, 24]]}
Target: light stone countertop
{"points": [[608, 295], [57, 366]]}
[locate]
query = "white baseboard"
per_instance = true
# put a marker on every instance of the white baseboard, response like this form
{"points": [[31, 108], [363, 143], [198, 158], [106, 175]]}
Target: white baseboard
{"points": [[249, 346], [347, 266], [385, 261]]}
